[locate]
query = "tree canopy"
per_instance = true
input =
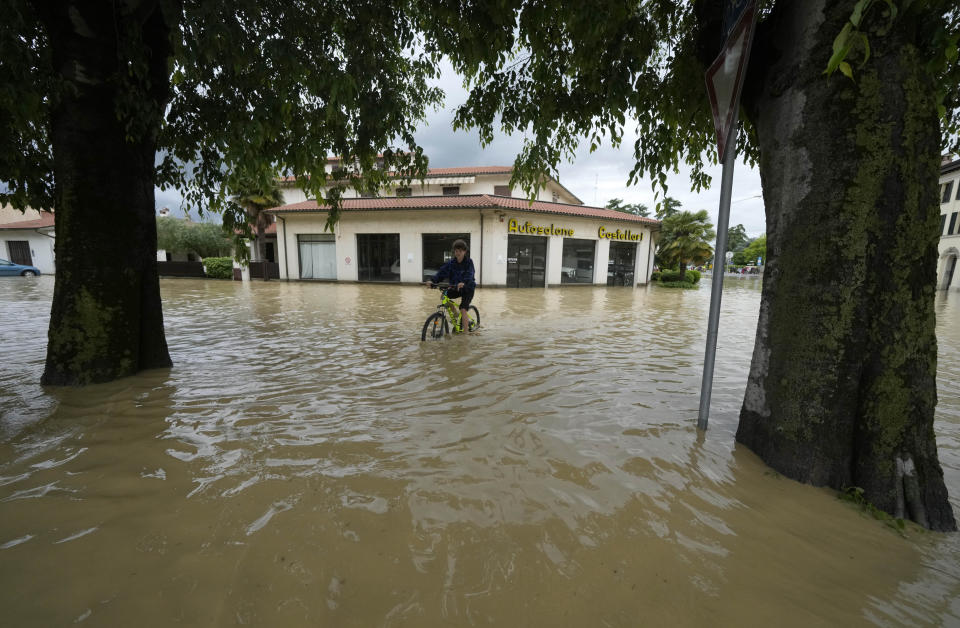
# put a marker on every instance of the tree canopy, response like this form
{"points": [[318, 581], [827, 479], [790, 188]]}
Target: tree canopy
{"points": [[637, 209], [623, 66], [737, 238], [204, 239], [253, 87], [757, 248]]}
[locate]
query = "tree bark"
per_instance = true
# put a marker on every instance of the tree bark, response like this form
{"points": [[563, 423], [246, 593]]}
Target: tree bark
{"points": [[842, 385], [106, 320]]}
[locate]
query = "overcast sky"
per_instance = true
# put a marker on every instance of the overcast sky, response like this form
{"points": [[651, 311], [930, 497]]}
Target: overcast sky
{"points": [[595, 177]]}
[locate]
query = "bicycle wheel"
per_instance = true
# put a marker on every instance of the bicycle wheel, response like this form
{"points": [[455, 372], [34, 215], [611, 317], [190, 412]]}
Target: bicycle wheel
{"points": [[435, 328], [474, 315]]}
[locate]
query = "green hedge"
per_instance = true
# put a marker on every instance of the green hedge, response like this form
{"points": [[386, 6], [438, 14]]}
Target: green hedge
{"points": [[218, 267], [678, 284], [691, 276]]}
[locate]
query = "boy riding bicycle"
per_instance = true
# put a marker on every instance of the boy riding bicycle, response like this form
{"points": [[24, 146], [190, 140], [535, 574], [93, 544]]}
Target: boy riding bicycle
{"points": [[459, 271]]}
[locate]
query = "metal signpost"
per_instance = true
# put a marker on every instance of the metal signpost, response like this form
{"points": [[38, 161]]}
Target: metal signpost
{"points": [[724, 81]]}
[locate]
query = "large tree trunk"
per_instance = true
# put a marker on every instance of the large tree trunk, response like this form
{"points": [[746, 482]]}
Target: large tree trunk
{"points": [[106, 321], [842, 385]]}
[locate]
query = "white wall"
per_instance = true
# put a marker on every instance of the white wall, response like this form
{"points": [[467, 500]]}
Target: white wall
{"points": [[292, 195]]}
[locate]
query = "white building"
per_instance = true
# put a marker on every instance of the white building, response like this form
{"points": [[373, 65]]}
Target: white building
{"points": [[949, 223], [27, 238], [405, 234]]}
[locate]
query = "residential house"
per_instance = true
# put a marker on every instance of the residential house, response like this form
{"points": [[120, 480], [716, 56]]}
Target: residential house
{"points": [[27, 238]]}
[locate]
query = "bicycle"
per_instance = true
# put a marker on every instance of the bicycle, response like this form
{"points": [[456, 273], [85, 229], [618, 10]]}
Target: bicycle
{"points": [[438, 324]]}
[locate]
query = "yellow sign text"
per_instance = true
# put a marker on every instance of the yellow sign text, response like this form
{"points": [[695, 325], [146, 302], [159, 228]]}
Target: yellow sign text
{"points": [[627, 235], [515, 227]]}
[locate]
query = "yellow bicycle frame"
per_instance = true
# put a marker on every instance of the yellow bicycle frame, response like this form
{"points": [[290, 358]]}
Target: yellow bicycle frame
{"points": [[453, 310]]}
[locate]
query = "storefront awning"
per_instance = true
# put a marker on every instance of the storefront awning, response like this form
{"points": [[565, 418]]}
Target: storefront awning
{"points": [[449, 180]]}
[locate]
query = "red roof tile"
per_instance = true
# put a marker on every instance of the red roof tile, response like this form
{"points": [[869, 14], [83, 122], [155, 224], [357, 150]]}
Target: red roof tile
{"points": [[45, 220], [467, 201]]}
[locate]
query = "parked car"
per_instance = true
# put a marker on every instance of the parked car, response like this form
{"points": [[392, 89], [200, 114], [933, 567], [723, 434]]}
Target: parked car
{"points": [[11, 269]]}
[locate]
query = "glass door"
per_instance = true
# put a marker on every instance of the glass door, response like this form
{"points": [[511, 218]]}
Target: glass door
{"points": [[623, 256], [526, 261], [378, 257]]}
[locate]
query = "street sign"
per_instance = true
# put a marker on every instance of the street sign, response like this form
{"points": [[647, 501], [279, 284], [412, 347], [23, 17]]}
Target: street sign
{"points": [[725, 76], [724, 81]]}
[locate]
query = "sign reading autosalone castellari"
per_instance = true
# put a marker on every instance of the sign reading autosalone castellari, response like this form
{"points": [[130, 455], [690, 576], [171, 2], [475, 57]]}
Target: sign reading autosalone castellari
{"points": [[627, 235], [516, 227]]}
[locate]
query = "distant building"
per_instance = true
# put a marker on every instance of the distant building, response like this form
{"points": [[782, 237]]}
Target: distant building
{"points": [[405, 233], [27, 238], [949, 223]]}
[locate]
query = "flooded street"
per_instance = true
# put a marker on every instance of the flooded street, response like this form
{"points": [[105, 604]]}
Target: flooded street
{"points": [[309, 462]]}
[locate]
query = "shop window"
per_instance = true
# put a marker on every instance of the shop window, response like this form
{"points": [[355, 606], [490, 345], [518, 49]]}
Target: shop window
{"points": [[947, 190], [378, 257], [451, 190], [577, 264], [404, 192], [503, 190], [318, 256], [438, 248]]}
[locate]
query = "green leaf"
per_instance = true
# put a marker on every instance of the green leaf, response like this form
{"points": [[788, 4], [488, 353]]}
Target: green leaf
{"points": [[866, 48], [845, 68], [858, 11]]}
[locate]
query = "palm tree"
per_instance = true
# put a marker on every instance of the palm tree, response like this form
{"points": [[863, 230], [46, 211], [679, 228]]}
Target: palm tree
{"points": [[254, 199], [686, 239]]}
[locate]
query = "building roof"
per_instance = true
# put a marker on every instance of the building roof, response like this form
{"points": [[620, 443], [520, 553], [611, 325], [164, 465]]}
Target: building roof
{"points": [[466, 201], [948, 165], [46, 220], [462, 171]]}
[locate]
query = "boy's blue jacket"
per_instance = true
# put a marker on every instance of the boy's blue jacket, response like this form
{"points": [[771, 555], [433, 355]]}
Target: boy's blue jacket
{"points": [[455, 272]]}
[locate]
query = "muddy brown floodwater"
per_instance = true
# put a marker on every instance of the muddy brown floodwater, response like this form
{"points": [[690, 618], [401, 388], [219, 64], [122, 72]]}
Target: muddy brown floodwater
{"points": [[309, 462]]}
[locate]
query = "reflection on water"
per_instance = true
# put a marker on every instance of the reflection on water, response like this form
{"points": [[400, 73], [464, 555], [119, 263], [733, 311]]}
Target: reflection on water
{"points": [[308, 461]]}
